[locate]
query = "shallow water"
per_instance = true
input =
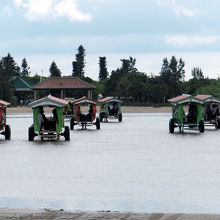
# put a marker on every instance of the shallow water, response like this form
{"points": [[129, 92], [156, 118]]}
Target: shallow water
{"points": [[135, 165]]}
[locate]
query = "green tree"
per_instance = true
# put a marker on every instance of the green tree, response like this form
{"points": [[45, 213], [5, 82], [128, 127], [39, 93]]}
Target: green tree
{"points": [[79, 64], [75, 69], [8, 70], [128, 65], [172, 74], [197, 73], [103, 72], [54, 70], [25, 69]]}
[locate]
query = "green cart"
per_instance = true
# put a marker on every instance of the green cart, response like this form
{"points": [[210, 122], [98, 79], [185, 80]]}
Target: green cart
{"points": [[51, 127], [210, 110], [192, 120]]}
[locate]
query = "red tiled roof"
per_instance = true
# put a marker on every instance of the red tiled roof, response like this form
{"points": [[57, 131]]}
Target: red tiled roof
{"points": [[63, 83], [3, 103]]}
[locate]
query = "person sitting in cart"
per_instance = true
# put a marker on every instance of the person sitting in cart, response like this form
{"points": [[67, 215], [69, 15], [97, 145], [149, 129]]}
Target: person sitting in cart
{"points": [[192, 114], [215, 111], [80, 115], [54, 120], [90, 114], [208, 112], [114, 109], [42, 120], [2, 118]]}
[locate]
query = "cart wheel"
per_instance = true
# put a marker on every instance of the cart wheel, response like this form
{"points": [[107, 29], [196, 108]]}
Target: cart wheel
{"points": [[201, 126], [171, 126], [31, 133], [7, 132], [71, 124], [120, 117], [67, 133], [97, 123]]}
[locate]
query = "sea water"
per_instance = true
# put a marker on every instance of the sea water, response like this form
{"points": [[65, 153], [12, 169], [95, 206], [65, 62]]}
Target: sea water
{"points": [[136, 165]]}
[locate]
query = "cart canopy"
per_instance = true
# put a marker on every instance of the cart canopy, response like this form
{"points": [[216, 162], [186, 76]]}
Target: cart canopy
{"points": [[185, 98], [84, 100], [49, 101], [3, 103], [208, 98], [109, 99]]}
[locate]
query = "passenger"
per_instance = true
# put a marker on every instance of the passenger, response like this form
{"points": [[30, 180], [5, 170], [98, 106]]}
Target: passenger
{"points": [[192, 114], [42, 120], [204, 115], [215, 111], [208, 112], [184, 116], [54, 120], [109, 110], [90, 114], [2, 119], [80, 115], [55, 117], [115, 108]]}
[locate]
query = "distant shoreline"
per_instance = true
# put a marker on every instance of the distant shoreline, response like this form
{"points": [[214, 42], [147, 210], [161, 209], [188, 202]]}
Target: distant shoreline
{"points": [[28, 214], [125, 109]]}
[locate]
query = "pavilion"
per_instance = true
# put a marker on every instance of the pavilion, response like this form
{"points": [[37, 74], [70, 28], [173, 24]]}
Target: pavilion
{"points": [[63, 87]]}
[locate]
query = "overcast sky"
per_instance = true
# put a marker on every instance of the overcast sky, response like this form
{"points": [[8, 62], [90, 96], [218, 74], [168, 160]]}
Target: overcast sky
{"points": [[149, 30]]}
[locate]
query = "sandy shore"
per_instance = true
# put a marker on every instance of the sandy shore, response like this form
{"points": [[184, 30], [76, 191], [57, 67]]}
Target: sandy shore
{"points": [[125, 109], [28, 214]]}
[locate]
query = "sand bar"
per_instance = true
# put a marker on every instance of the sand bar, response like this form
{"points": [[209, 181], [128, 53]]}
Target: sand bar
{"points": [[28, 214]]}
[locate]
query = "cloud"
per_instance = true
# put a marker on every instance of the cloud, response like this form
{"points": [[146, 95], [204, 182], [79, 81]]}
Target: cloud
{"points": [[44, 9], [188, 41], [7, 11], [180, 9], [69, 9]]}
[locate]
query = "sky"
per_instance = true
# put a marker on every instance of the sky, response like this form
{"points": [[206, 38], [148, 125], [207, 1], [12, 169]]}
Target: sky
{"points": [[43, 31]]}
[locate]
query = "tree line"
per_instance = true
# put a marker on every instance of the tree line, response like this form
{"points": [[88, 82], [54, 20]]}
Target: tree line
{"points": [[126, 82]]}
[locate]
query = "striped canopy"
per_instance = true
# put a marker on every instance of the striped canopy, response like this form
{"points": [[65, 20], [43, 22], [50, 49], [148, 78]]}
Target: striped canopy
{"points": [[208, 98], [109, 99], [3, 103], [185, 98], [83, 100], [49, 101]]}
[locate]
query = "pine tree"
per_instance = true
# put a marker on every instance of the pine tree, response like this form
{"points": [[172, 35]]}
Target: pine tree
{"points": [[75, 69], [103, 72], [8, 70], [78, 67], [54, 70], [24, 68]]}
